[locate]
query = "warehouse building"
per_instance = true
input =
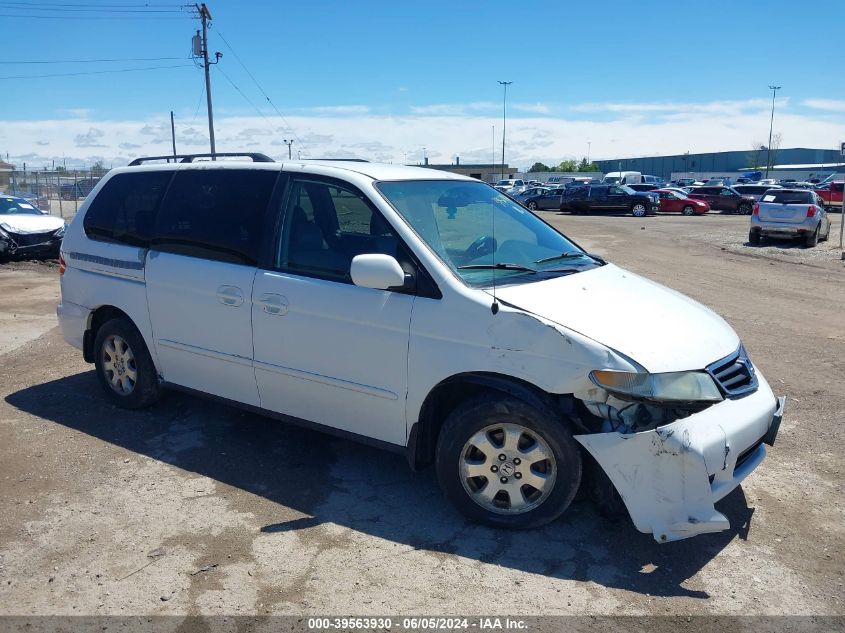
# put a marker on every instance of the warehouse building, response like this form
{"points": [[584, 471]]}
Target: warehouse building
{"points": [[717, 162]]}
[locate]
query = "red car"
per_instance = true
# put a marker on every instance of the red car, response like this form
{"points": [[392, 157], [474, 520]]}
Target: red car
{"points": [[673, 201], [831, 193]]}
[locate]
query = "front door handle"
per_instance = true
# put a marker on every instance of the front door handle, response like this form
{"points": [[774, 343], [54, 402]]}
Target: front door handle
{"points": [[274, 304], [230, 296]]}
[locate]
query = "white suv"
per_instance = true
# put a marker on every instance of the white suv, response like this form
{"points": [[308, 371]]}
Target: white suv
{"points": [[425, 312]]}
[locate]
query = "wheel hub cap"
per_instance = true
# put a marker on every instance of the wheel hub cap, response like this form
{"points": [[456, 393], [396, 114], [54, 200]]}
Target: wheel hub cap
{"points": [[507, 468]]}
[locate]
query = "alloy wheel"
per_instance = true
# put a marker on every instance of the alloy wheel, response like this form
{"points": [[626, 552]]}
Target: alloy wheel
{"points": [[119, 365], [507, 468]]}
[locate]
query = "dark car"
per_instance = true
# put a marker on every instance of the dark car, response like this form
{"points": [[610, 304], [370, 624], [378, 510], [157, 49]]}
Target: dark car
{"points": [[619, 198], [79, 189], [722, 198], [644, 186], [550, 199], [755, 191]]}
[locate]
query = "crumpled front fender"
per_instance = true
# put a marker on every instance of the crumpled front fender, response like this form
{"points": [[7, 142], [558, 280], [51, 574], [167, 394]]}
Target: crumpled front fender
{"points": [[670, 477]]}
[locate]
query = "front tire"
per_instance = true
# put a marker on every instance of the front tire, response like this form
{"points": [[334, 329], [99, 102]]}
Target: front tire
{"points": [[745, 209], [504, 463], [688, 210], [532, 206], [124, 367], [639, 210]]}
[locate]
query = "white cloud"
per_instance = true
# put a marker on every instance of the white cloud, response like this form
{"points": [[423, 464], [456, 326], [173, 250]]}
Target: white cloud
{"points": [[825, 104], [445, 109], [537, 108], [398, 138]]}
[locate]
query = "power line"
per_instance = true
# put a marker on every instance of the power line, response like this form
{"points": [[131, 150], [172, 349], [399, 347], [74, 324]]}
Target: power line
{"points": [[97, 72], [255, 81], [90, 17], [7, 7], [93, 61], [248, 100], [88, 4]]}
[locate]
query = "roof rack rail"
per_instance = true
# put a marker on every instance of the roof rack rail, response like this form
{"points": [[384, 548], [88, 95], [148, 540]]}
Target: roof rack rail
{"points": [[189, 158], [342, 160]]}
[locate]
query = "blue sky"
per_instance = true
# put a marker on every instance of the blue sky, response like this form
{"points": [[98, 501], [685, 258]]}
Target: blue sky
{"points": [[382, 80]]}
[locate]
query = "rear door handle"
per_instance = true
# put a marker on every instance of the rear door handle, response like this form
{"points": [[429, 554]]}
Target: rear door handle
{"points": [[274, 304], [230, 296]]}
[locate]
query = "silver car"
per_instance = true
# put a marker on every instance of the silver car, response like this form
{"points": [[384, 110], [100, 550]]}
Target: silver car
{"points": [[790, 213]]}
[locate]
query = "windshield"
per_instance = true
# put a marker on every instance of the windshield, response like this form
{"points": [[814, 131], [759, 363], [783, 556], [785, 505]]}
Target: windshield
{"points": [[612, 179], [473, 227], [17, 206]]}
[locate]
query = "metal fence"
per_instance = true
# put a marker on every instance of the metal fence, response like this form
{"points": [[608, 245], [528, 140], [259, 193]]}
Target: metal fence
{"points": [[58, 192]]}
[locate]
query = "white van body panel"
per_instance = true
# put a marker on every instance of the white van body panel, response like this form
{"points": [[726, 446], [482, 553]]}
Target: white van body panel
{"points": [[333, 353], [201, 311], [647, 322]]}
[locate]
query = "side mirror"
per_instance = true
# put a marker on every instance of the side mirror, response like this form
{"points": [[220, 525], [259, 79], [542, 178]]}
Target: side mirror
{"points": [[377, 271]]}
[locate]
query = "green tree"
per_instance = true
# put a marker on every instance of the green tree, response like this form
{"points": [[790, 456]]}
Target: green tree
{"points": [[585, 166], [539, 167], [567, 166]]}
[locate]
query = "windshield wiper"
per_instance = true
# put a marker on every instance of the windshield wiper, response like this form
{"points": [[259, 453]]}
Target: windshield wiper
{"points": [[565, 255], [497, 266]]}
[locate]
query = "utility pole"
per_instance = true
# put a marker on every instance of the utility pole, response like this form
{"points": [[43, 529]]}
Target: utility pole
{"points": [[173, 135], [504, 122], [774, 90], [202, 41], [288, 143]]}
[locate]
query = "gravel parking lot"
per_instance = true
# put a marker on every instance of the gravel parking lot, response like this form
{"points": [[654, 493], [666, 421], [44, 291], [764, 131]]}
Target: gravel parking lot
{"points": [[193, 507]]}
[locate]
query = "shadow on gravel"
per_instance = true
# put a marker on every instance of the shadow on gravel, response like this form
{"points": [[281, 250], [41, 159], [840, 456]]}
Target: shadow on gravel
{"points": [[372, 491]]}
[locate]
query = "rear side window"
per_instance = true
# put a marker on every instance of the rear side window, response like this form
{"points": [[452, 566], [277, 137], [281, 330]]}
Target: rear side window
{"points": [[215, 214], [124, 210]]}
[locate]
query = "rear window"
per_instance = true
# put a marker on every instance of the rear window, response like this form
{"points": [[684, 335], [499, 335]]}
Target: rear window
{"points": [[789, 197], [215, 214], [124, 210]]}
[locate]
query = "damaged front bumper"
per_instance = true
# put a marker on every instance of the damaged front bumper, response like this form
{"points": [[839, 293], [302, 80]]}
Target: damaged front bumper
{"points": [[670, 477], [17, 244]]}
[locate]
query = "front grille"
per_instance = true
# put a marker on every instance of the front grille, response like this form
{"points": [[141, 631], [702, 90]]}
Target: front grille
{"points": [[30, 239], [734, 374]]}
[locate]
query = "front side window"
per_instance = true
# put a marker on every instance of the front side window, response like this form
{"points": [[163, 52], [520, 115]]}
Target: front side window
{"points": [[216, 214], [325, 226], [476, 231], [124, 210]]}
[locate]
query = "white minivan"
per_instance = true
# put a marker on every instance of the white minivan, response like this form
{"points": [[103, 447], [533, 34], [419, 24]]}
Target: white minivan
{"points": [[424, 312]]}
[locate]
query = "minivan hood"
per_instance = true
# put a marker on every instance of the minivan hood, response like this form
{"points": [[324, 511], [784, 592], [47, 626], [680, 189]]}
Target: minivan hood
{"points": [[20, 223], [657, 327]]}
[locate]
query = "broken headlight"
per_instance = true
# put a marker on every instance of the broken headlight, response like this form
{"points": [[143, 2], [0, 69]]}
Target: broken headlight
{"points": [[680, 386]]}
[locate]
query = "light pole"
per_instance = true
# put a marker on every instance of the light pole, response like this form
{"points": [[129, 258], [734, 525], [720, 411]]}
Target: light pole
{"points": [[774, 90], [504, 121], [288, 143], [588, 151]]}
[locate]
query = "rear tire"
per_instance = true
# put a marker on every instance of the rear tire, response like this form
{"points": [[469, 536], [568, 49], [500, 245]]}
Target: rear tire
{"points": [[812, 239], [754, 238], [534, 483], [124, 367], [688, 210]]}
